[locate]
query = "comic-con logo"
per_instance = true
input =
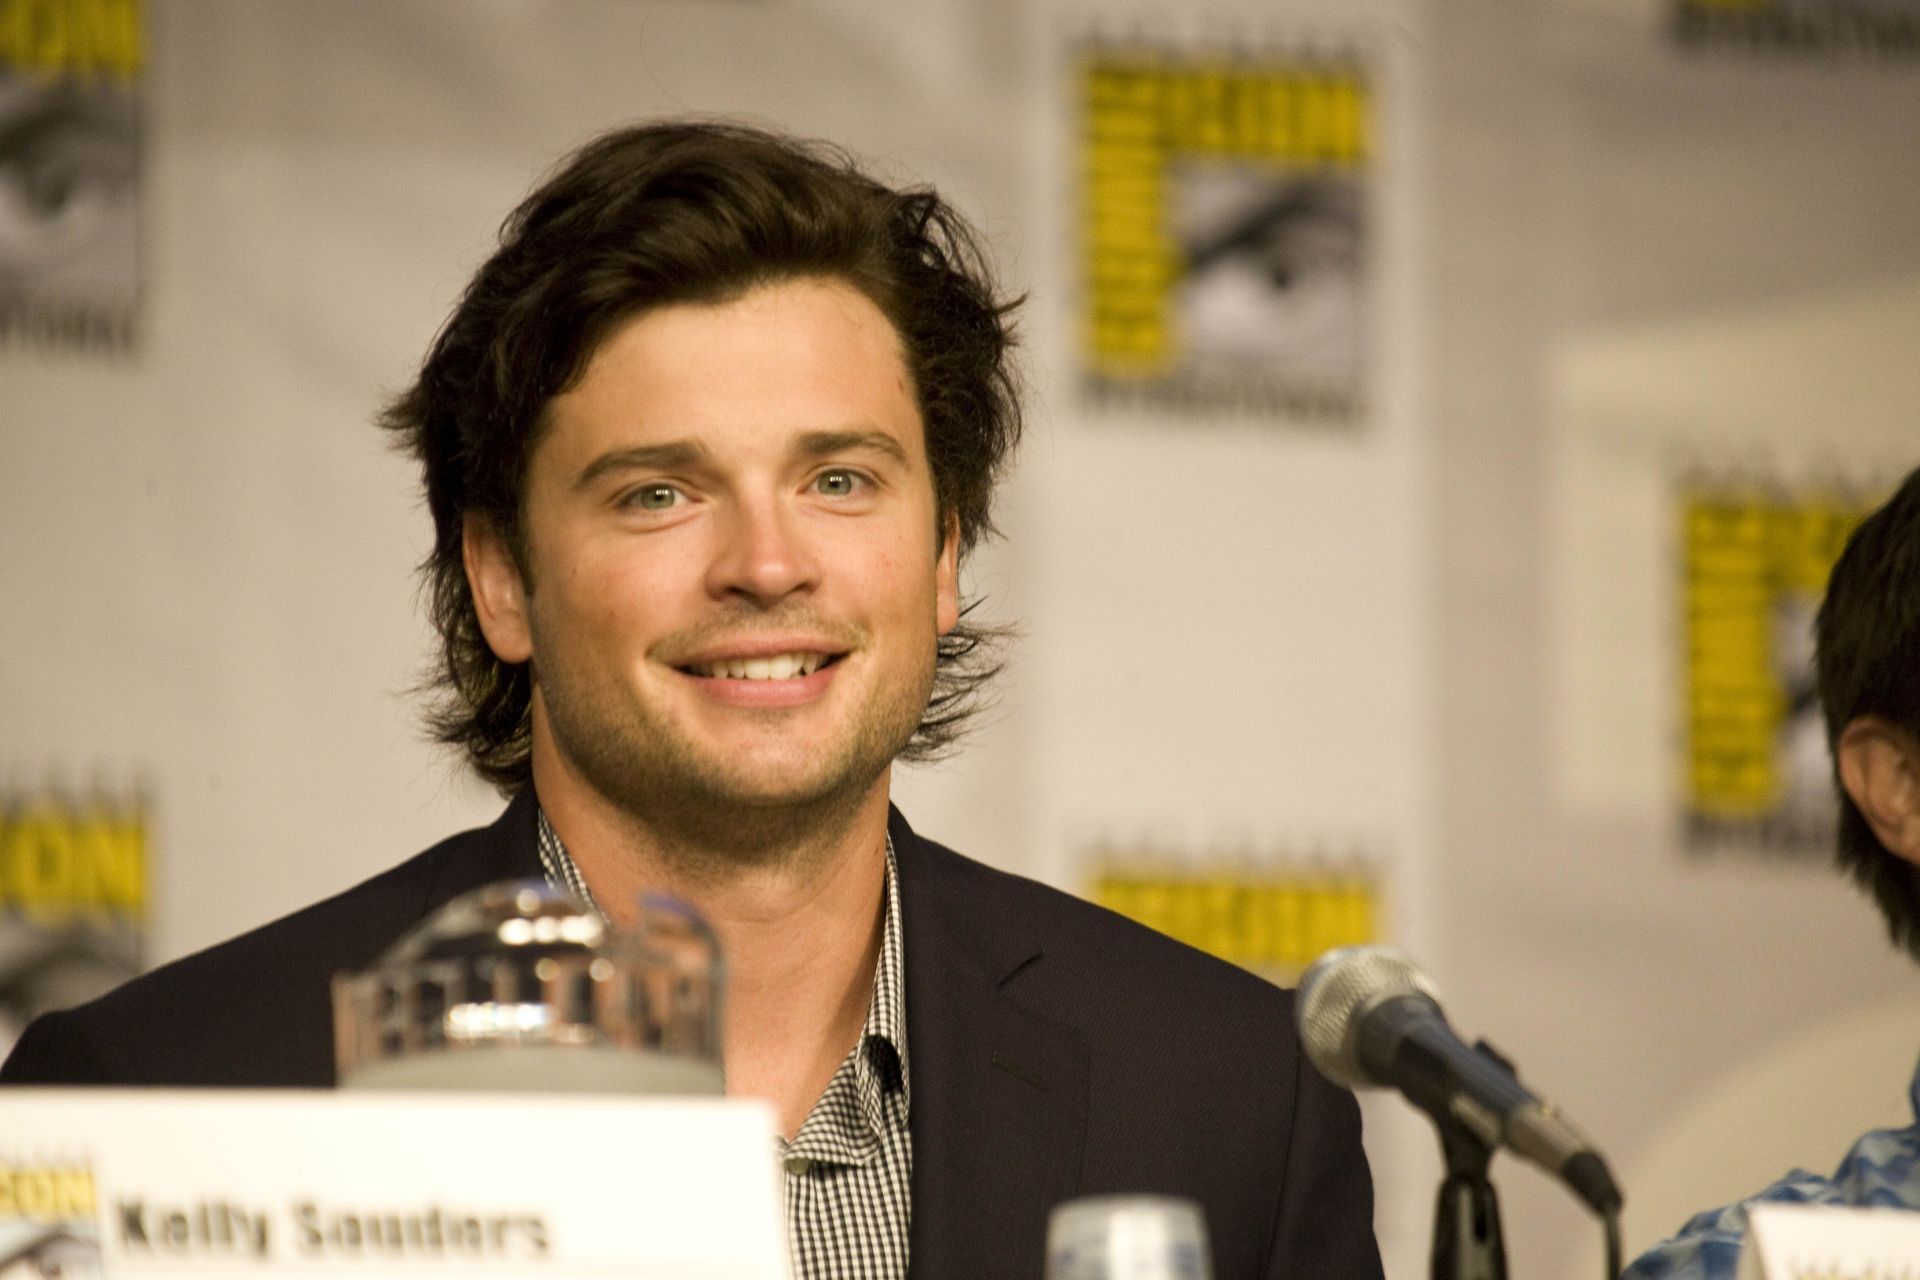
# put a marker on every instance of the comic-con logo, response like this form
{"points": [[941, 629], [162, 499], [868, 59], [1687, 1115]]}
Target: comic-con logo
{"points": [[48, 1226]]}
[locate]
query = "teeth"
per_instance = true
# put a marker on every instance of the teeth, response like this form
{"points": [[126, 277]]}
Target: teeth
{"points": [[784, 666]]}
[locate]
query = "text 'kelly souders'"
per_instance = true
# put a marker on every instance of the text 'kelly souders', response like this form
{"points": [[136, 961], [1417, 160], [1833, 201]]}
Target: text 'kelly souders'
{"points": [[222, 1228]]}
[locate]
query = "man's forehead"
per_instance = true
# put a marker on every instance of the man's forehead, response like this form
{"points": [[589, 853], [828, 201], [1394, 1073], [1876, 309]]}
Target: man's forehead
{"points": [[806, 304], [798, 367]]}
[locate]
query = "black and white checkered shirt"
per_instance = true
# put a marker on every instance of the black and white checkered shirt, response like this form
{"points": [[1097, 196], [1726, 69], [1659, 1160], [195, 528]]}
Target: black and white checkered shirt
{"points": [[849, 1170]]}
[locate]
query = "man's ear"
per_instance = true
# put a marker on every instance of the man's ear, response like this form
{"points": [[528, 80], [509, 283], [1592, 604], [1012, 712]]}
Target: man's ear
{"points": [[1879, 765], [499, 590], [946, 570]]}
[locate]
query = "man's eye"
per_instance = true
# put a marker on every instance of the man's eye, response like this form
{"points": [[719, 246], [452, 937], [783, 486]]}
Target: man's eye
{"points": [[837, 484], [654, 497]]}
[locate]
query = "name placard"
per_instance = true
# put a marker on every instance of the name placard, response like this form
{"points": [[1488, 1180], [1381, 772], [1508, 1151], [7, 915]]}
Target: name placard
{"points": [[164, 1184], [1829, 1242]]}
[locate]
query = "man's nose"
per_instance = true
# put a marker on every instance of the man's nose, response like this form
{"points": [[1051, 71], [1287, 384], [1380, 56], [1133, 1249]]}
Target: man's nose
{"points": [[764, 554]]}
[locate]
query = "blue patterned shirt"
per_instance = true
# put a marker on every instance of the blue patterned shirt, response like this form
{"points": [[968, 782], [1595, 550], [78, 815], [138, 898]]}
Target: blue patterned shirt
{"points": [[1882, 1171]]}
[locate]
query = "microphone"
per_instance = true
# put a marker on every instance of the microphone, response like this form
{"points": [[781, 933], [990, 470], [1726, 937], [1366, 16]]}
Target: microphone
{"points": [[1371, 1019]]}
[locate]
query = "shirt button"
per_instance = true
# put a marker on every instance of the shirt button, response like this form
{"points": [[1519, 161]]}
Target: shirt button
{"points": [[798, 1164]]}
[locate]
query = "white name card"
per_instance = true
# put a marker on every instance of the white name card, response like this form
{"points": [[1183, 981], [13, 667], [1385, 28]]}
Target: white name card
{"points": [[1827, 1242], [166, 1185]]}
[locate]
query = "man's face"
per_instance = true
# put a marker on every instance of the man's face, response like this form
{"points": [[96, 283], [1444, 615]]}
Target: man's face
{"points": [[734, 582]]}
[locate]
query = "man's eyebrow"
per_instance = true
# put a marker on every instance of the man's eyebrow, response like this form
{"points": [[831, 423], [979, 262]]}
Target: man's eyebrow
{"points": [[676, 453], [815, 444]]}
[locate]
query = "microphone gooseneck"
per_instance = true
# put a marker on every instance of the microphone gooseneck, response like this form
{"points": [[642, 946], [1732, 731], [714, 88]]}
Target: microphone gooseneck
{"points": [[1369, 1018]]}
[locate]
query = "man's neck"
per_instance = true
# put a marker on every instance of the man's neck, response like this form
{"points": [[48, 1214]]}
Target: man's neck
{"points": [[799, 928]]}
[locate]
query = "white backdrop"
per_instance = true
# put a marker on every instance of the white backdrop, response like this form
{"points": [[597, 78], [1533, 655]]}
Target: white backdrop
{"points": [[1229, 631]]}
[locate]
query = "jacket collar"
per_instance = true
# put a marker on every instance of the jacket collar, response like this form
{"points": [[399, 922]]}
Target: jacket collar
{"points": [[999, 1091], [506, 849]]}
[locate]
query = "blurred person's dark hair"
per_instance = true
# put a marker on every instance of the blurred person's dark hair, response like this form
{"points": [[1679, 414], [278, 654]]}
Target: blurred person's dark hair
{"points": [[1868, 647], [691, 212]]}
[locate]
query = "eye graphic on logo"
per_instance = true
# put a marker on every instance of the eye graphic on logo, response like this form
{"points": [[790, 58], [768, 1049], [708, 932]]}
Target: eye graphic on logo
{"points": [[68, 161], [1273, 268], [58, 972], [52, 1254]]}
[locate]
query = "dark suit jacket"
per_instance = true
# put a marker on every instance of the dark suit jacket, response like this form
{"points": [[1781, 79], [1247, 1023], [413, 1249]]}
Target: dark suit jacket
{"points": [[1057, 1050]]}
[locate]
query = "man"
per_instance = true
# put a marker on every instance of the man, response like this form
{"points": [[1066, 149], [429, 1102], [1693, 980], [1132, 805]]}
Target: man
{"points": [[705, 443], [1867, 647]]}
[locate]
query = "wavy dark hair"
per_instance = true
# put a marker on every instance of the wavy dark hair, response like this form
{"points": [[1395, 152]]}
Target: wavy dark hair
{"points": [[1868, 645], [691, 212]]}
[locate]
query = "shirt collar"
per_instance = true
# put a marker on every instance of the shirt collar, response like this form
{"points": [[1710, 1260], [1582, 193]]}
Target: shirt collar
{"points": [[883, 1041]]}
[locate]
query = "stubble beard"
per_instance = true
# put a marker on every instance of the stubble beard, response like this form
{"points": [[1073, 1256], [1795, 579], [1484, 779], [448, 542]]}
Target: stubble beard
{"points": [[705, 813]]}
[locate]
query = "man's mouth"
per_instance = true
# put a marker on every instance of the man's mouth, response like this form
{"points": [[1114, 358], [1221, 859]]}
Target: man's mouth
{"points": [[778, 666]]}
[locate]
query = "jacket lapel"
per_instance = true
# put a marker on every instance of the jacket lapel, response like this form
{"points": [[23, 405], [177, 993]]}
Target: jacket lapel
{"points": [[998, 1099]]}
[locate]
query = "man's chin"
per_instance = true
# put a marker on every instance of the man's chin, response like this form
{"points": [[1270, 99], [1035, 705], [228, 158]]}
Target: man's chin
{"points": [[756, 818], [690, 771], [795, 789]]}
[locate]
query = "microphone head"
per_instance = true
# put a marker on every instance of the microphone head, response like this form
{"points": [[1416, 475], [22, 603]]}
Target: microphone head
{"points": [[1340, 987]]}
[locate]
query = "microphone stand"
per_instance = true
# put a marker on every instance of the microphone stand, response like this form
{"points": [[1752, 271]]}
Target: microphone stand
{"points": [[1467, 1244]]}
